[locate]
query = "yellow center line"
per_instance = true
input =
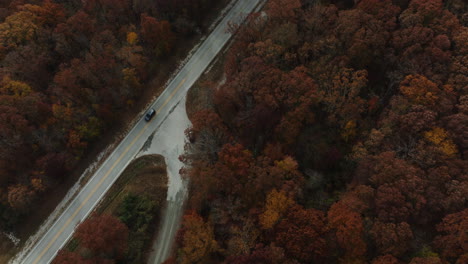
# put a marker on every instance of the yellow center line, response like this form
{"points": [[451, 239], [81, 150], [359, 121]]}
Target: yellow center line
{"points": [[103, 179], [172, 94]]}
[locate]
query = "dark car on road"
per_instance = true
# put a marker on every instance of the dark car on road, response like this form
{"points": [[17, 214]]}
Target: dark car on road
{"points": [[150, 114]]}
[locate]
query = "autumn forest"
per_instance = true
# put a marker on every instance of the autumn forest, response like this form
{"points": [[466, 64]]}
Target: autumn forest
{"points": [[68, 70], [339, 136], [339, 133]]}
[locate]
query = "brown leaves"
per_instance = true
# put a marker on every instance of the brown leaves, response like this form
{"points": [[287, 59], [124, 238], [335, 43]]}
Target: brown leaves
{"points": [[20, 197]]}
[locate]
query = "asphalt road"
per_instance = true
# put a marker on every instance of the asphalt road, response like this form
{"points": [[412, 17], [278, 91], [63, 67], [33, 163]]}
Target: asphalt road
{"points": [[57, 235]]}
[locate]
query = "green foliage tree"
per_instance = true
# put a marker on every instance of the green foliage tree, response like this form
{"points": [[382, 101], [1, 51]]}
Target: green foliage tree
{"points": [[138, 213]]}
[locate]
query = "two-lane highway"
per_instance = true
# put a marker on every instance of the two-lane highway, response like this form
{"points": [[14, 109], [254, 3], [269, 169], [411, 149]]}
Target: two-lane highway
{"points": [[80, 207]]}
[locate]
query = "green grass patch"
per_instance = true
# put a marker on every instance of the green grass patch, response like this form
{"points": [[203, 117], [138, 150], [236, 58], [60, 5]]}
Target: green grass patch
{"points": [[136, 198]]}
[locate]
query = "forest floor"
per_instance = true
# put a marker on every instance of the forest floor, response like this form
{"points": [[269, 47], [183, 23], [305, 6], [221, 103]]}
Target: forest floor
{"points": [[100, 149]]}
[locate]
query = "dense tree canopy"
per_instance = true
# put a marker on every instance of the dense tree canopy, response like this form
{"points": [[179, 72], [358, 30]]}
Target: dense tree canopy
{"points": [[66, 71], [339, 136]]}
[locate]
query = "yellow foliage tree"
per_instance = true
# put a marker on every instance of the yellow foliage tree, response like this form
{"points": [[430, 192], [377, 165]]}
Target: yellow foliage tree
{"points": [[18, 29], [14, 88], [130, 78], [132, 38], [64, 113], [439, 137], [38, 184], [349, 131], [130, 85], [277, 203], [288, 164]]}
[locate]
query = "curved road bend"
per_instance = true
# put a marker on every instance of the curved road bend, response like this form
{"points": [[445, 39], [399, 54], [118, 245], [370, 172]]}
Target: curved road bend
{"points": [[62, 229]]}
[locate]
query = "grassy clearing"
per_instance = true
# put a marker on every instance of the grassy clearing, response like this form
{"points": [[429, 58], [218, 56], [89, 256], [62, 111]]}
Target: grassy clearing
{"points": [[137, 198], [200, 95], [144, 176]]}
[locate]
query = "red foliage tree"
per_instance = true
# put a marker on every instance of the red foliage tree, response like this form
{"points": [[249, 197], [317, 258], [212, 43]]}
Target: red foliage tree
{"points": [[392, 238], [383, 11], [283, 9], [341, 96], [399, 187], [457, 125], [447, 189], [157, 34], [426, 260], [362, 36], [423, 41], [171, 260], [104, 234], [14, 131], [233, 168], [67, 257], [50, 14], [74, 35], [302, 234], [453, 242], [417, 120], [261, 254], [385, 259]]}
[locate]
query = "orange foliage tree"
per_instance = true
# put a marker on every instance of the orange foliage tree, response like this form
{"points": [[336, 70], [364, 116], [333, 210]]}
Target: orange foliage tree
{"points": [[277, 204], [438, 136], [198, 240], [349, 232], [420, 90]]}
